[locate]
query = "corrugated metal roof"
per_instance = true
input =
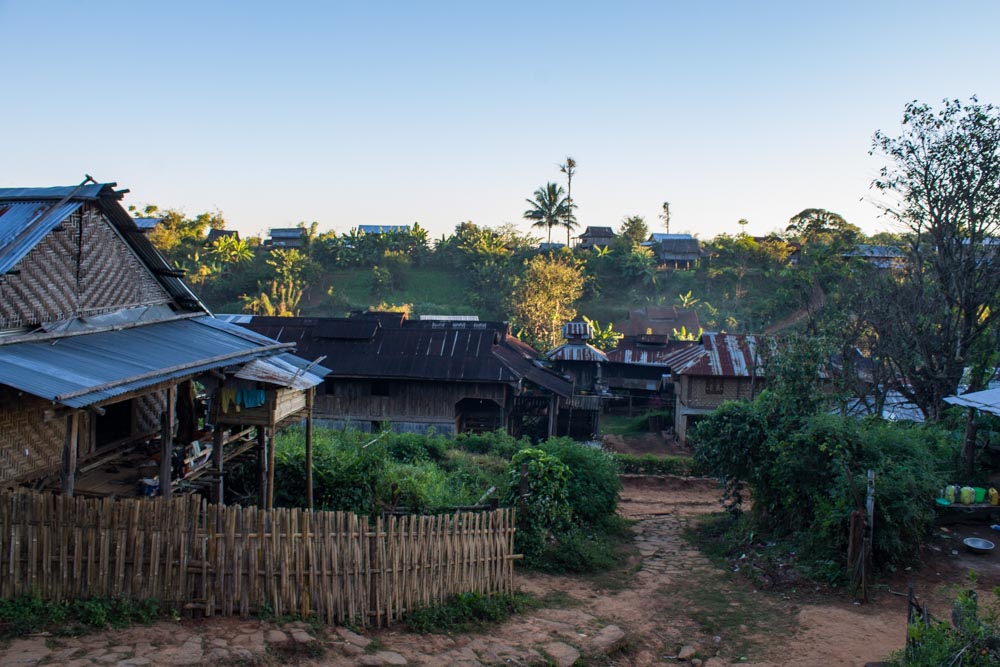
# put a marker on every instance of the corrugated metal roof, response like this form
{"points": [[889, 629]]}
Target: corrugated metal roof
{"points": [[987, 401], [23, 224], [634, 352], [287, 232], [80, 370], [576, 352], [285, 370], [437, 351], [88, 191], [577, 330], [720, 355], [147, 224], [383, 229]]}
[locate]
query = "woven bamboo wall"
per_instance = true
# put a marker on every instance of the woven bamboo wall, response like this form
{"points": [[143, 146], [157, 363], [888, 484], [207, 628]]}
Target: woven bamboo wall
{"points": [[31, 439], [85, 268], [148, 409], [234, 560]]}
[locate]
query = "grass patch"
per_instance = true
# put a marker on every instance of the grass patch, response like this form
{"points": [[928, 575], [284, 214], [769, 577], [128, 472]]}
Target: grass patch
{"points": [[29, 613], [623, 425], [468, 612], [748, 621]]}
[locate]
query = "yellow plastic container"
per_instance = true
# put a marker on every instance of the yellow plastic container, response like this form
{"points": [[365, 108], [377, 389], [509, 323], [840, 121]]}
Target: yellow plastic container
{"points": [[994, 497], [951, 493], [968, 495]]}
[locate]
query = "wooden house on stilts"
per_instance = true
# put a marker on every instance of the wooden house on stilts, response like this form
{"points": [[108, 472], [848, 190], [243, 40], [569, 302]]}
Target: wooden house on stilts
{"points": [[102, 346]]}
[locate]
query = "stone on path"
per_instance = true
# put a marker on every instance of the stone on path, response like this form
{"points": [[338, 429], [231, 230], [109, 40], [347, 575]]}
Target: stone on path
{"points": [[687, 652], [275, 637], [562, 654], [608, 640], [382, 658], [714, 662], [353, 638]]}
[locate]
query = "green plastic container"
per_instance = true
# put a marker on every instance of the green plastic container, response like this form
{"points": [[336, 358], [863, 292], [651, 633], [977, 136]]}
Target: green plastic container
{"points": [[980, 494]]}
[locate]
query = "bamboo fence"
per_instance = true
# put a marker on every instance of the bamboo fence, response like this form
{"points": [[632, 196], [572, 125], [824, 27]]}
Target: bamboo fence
{"points": [[230, 560]]}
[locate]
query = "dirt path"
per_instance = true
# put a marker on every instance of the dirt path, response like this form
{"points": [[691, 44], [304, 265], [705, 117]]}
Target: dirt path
{"points": [[817, 300], [666, 599]]}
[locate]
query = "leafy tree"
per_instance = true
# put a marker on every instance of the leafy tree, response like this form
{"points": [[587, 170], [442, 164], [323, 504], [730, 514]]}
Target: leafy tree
{"points": [[606, 338], [814, 226], [289, 264], [634, 229], [550, 208], [280, 300], [231, 250], [544, 297], [939, 312]]}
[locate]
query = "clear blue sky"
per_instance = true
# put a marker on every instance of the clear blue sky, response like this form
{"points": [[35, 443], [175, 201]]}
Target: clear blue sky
{"points": [[386, 113]]}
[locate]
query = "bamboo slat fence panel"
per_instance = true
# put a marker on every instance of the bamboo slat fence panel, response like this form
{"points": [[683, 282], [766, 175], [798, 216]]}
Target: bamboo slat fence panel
{"points": [[231, 560]]}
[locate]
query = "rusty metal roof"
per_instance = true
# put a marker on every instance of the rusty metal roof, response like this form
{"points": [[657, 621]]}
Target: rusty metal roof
{"points": [[720, 355], [581, 330], [576, 351], [635, 352]]}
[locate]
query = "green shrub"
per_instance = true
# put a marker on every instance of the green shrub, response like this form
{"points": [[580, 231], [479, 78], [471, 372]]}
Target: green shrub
{"points": [[498, 443], [593, 485], [580, 550], [807, 474], [972, 640], [413, 448], [648, 464], [544, 509]]}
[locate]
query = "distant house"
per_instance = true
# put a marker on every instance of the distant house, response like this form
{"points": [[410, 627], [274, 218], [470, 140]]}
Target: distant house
{"points": [[723, 367], [578, 359], [596, 237], [676, 251], [420, 376], [383, 229], [637, 372], [216, 234], [287, 237], [147, 224], [659, 322], [546, 246], [102, 344], [878, 256]]}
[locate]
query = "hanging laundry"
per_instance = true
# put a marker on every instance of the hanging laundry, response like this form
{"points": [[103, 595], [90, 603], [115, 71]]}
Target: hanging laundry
{"points": [[226, 398], [251, 398]]}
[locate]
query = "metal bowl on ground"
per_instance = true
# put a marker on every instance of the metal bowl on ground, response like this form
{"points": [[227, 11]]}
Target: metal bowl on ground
{"points": [[978, 546]]}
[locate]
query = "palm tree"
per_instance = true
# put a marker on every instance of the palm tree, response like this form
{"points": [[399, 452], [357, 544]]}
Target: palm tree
{"points": [[549, 208], [569, 168]]}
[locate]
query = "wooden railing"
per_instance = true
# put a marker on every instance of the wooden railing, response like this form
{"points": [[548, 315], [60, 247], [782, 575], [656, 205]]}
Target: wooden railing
{"points": [[190, 555]]}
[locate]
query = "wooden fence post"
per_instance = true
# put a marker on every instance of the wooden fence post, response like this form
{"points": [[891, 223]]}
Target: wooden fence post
{"points": [[70, 448]]}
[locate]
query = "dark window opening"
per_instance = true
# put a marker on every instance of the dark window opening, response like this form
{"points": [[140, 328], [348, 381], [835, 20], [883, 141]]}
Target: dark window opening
{"points": [[115, 424], [380, 388]]}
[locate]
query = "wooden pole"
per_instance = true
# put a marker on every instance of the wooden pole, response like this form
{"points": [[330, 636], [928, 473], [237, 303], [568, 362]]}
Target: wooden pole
{"points": [[270, 468], [310, 396], [217, 456], [167, 445], [553, 414], [262, 467], [70, 449]]}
